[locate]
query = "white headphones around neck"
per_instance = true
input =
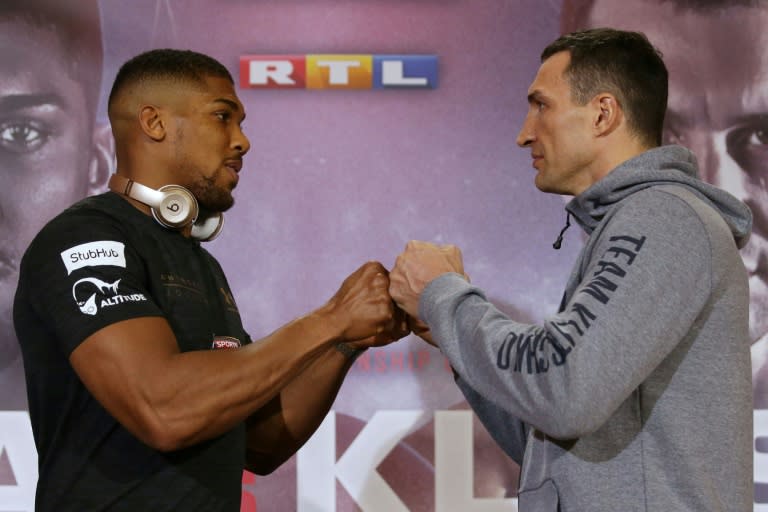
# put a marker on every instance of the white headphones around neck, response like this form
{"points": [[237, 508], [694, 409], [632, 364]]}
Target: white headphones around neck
{"points": [[173, 207]]}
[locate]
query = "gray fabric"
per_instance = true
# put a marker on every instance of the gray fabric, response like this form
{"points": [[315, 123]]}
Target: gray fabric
{"points": [[636, 395]]}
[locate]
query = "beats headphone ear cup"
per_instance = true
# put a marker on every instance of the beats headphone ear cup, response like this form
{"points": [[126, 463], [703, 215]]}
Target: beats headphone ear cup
{"points": [[172, 206], [177, 207], [207, 227]]}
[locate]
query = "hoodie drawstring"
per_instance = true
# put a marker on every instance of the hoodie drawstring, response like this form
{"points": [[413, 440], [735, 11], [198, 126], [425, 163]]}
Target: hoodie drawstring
{"points": [[559, 242]]}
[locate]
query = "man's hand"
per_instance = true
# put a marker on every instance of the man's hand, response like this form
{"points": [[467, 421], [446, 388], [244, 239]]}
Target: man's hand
{"points": [[420, 263], [364, 309], [421, 330]]}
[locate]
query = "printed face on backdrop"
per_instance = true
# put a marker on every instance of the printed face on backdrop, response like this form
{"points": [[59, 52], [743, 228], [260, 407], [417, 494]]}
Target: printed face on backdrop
{"points": [[556, 130], [45, 150], [718, 106], [209, 143]]}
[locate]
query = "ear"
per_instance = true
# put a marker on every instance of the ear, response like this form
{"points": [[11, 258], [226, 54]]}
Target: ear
{"points": [[608, 114], [152, 122], [103, 163]]}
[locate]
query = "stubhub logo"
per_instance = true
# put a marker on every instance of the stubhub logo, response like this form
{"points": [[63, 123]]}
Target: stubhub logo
{"points": [[338, 71]]}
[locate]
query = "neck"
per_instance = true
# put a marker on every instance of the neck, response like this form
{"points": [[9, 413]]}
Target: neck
{"points": [[614, 153]]}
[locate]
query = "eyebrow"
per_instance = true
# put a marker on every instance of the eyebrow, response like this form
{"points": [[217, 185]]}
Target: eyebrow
{"points": [[535, 96], [21, 101], [231, 104]]}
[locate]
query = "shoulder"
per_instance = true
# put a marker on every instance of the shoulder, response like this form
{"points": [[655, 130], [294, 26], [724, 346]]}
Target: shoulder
{"points": [[679, 212], [675, 226], [93, 229], [211, 259], [91, 217], [668, 226], [667, 208]]}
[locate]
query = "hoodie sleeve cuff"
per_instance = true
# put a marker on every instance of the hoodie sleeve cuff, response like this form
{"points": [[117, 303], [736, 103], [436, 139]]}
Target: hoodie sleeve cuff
{"points": [[439, 288]]}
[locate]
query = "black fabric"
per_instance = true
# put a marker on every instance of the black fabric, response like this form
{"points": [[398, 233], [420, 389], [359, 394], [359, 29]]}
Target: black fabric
{"points": [[77, 278]]}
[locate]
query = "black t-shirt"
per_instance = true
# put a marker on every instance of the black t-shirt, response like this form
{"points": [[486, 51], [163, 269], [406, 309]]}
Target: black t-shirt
{"points": [[100, 262]]}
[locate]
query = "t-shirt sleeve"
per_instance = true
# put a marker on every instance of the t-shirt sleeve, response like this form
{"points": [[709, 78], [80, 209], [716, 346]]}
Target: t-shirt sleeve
{"points": [[82, 274]]}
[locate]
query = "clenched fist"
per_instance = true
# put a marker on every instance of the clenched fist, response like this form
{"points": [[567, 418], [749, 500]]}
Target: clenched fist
{"points": [[420, 263], [365, 312]]}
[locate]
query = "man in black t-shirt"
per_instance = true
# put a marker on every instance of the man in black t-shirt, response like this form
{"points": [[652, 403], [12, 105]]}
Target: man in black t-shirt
{"points": [[146, 393]]}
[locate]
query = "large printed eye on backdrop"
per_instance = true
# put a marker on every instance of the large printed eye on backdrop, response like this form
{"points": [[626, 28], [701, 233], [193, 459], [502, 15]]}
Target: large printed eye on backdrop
{"points": [[352, 155]]}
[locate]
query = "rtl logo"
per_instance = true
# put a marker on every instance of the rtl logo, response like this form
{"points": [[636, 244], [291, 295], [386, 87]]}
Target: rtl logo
{"points": [[338, 71]]}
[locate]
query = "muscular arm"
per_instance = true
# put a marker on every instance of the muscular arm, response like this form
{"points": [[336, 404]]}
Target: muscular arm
{"points": [[277, 430], [171, 400]]}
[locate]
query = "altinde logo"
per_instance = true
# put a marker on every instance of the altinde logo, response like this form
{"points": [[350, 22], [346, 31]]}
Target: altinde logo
{"points": [[100, 294], [338, 71]]}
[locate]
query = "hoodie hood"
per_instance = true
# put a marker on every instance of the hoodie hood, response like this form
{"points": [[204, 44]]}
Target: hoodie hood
{"points": [[665, 165]]}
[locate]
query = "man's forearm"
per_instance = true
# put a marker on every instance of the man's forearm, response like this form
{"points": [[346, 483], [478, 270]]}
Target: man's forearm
{"points": [[280, 428]]}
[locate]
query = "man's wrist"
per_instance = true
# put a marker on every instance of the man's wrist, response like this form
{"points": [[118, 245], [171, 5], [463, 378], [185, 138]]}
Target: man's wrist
{"points": [[348, 350], [325, 320]]}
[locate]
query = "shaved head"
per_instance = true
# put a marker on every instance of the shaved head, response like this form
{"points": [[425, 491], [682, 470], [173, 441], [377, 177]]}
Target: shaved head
{"points": [[157, 72]]}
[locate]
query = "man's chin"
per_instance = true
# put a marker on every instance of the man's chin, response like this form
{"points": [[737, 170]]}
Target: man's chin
{"points": [[220, 203], [542, 184]]}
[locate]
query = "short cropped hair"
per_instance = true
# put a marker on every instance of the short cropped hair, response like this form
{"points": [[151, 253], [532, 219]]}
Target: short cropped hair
{"points": [[167, 64], [624, 64], [77, 26]]}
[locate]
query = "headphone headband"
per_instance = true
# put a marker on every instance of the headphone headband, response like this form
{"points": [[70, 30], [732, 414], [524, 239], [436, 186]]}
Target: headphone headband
{"points": [[135, 190]]}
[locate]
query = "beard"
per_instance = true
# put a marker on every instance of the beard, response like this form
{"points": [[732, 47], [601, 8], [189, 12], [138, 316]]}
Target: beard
{"points": [[211, 196]]}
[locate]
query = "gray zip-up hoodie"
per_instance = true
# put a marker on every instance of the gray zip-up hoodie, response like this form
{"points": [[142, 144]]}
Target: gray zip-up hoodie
{"points": [[636, 395]]}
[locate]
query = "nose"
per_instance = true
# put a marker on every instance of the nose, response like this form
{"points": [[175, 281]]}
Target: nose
{"points": [[240, 142], [526, 135]]}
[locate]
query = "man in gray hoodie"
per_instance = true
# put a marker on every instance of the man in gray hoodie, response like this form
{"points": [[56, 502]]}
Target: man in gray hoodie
{"points": [[636, 394]]}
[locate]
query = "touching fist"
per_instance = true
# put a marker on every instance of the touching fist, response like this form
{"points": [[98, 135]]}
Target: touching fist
{"points": [[420, 263], [365, 311]]}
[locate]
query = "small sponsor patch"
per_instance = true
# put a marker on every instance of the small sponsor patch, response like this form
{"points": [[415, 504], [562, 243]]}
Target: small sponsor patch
{"points": [[92, 294], [104, 252], [223, 342]]}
